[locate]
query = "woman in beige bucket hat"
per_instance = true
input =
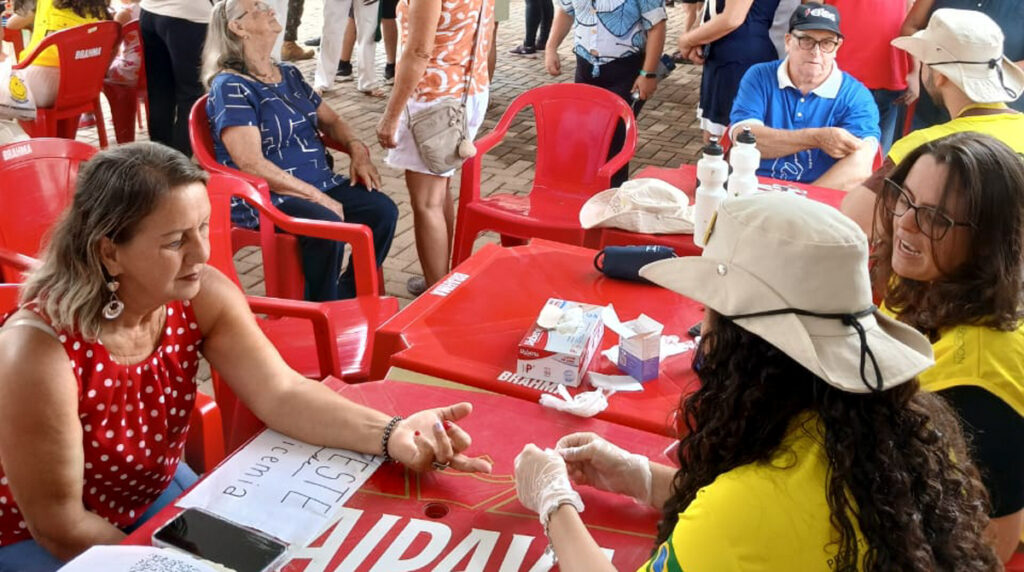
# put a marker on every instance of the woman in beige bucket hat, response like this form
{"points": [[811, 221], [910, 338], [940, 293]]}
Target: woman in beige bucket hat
{"points": [[950, 262], [808, 445]]}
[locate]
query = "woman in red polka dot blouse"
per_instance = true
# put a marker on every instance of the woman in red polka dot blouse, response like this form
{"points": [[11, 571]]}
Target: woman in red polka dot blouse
{"points": [[97, 367]]}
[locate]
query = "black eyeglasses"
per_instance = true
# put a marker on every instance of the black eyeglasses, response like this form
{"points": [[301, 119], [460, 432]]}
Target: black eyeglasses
{"points": [[932, 222], [827, 45]]}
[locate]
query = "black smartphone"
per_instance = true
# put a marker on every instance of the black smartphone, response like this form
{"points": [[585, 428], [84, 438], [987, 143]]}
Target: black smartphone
{"points": [[211, 537], [694, 330]]}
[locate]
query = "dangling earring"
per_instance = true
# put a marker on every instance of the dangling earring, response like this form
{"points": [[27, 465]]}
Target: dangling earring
{"points": [[115, 306]]}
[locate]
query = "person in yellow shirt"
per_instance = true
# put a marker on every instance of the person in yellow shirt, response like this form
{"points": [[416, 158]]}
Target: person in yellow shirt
{"points": [[808, 445], [43, 76], [949, 261], [964, 70]]}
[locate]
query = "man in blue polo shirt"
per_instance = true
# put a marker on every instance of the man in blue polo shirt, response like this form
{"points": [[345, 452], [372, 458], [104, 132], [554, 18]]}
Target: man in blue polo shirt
{"points": [[814, 123]]}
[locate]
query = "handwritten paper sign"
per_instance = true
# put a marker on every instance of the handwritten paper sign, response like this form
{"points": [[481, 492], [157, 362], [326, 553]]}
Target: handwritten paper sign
{"points": [[288, 489]]}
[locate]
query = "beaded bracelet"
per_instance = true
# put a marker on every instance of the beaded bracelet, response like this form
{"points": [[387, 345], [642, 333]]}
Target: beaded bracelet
{"points": [[387, 437]]}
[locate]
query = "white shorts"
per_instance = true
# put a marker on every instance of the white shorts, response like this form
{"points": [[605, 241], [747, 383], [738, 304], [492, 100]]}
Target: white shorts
{"points": [[406, 156]]}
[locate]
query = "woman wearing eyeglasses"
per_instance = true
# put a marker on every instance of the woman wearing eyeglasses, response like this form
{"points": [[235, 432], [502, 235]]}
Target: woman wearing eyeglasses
{"points": [[949, 257]]}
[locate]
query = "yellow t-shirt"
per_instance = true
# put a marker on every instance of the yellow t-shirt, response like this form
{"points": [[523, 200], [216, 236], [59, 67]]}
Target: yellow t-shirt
{"points": [[983, 357], [760, 517], [1006, 127], [48, 20]]}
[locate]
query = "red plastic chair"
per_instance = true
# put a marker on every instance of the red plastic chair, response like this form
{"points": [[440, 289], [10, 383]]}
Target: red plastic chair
{"points": [[15, 38], [316, 338], [575, 125], [37, 181], [124, 100], [85, 53]]}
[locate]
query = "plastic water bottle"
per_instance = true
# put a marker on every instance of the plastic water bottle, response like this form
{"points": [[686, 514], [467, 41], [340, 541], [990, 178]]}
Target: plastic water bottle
{"points": [[712, 172], [744, 158]]}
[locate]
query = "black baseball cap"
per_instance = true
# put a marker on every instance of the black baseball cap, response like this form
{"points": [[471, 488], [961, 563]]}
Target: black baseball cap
{"points": [[815, 16]]}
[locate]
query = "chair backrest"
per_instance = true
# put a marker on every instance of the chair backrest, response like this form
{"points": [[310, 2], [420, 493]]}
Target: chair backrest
{"points": [[87, 51], [37, 182], [16, 39], [221, 251], [575, 125]]}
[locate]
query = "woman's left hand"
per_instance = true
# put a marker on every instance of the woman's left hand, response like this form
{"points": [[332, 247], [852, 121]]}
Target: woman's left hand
{"points": [[387, 127], [362, 170], [430, 439]]}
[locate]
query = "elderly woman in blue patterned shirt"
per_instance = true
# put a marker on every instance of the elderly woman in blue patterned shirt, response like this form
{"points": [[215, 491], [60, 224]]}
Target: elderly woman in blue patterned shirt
{"points": [[265, 120]]}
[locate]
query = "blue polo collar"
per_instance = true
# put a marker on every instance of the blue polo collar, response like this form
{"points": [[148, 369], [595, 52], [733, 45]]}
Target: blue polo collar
{"points": [[828, 89]]}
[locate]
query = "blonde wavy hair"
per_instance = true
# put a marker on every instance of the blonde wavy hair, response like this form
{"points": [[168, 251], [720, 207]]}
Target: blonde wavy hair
{"points": [[116, 189], [223, 48]]}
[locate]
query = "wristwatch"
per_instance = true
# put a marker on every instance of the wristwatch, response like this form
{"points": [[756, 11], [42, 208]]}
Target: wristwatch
{"points": [[645, 73]]}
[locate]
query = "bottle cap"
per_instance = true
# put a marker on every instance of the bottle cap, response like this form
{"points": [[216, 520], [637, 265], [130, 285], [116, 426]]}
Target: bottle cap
{"points": [[747, 136], [713, 148]]}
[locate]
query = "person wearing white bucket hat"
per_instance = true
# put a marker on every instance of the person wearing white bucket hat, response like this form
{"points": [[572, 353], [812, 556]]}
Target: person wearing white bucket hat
{"points": [[965, 70], [948, 258], [808, 445]]}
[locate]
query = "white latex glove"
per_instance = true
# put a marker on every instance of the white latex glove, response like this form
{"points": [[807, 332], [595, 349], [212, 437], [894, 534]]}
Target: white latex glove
{"points": [[591, 460], [542, 482]]}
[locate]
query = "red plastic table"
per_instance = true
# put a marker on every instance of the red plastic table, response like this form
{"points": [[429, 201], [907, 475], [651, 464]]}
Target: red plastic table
{"points": [[685, 178], [467, 328], [455, 521]]}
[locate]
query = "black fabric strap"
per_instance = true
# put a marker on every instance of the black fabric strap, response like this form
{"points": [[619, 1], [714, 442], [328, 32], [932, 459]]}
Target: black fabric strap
{"points": [[992, 64], [849, 319]]}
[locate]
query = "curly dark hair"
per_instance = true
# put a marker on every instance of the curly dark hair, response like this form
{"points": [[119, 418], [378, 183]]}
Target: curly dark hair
{"points": [[897, 459], [987, 177], [85, 8]]}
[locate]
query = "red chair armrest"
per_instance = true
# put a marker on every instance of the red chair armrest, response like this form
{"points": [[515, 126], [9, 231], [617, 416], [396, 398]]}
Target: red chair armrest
{"points": [[204, 446], [622, 157], [324, 334], [358, 236]]}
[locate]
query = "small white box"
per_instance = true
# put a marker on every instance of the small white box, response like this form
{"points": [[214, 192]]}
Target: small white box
{"points": [[640, 353], [558, 355]]}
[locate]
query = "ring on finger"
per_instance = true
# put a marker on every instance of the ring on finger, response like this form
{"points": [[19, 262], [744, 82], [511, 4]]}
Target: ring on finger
{"points": [[440, 466]]}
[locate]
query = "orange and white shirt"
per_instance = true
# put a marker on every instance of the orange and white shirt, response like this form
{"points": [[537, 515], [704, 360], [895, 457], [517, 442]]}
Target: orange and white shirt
{"points": [[453, 44]]}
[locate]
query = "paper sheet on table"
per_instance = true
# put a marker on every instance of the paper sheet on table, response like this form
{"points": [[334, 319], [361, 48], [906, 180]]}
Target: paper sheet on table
{"points": [[137, 559], [614, 382], [670, 346], [281, 486]]}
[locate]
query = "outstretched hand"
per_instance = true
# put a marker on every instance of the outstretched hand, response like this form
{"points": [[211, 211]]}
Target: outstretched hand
{"points": [[592, 461], [430, 439]]}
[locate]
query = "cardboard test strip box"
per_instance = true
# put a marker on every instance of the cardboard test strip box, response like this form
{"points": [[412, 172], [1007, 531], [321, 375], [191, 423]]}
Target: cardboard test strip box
{"points": [[561, 352]]}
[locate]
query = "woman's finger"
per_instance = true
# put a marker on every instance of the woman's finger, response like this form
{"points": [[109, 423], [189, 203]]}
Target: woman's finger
{"points": [[468, 464], [460, 438], [443, 452]]}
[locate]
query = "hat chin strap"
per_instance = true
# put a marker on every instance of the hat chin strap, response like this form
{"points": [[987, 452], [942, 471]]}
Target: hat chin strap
{"points": [[848, 319], [992, 64]]}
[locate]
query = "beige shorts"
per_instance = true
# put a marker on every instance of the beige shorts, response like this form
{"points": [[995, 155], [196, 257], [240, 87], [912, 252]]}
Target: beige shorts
{"points": [[406, 156]]}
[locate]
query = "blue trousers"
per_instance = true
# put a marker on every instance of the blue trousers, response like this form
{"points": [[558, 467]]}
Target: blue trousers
{"points": [[321, 259], [30, 556]]}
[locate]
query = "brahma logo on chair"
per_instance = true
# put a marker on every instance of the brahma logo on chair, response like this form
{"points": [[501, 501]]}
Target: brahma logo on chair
{"points": [[17, 151], [89, 53]]}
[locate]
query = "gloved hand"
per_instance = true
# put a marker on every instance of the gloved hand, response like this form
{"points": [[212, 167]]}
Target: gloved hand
{"points": [[591, 460], [542, 482]]}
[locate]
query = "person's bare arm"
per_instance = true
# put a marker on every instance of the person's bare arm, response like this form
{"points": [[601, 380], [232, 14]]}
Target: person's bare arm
{"points": [[851, 170], [917, 17], [41, 443], [576, 549], [691, 15], [307, 409], [244, 144], [560, 27], [772, 143], [661, 484], [1005, 533], [646, 86], [719, 26], [416, 53], [361, 168]]}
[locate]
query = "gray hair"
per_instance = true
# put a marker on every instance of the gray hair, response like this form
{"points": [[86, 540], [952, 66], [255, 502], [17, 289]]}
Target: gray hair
{"points": [[116, 189], [223, 48]]}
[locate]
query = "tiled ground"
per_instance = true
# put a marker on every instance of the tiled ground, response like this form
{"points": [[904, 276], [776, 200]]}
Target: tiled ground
{"points": [[668, 133]]}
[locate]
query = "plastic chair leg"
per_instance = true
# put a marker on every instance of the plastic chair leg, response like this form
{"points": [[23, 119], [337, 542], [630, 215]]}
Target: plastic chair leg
{"points": [[465, 235], [101, 124], [123, 109]]}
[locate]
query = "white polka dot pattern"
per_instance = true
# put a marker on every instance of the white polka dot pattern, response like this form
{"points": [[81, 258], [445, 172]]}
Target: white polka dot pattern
{"points": [[132, 416]]}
